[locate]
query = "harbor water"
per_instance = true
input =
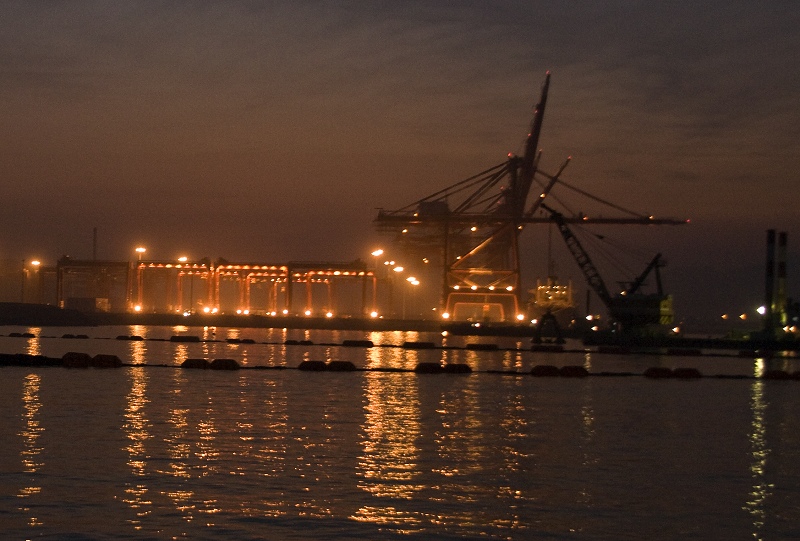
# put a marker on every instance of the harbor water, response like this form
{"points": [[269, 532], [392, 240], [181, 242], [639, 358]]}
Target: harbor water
{"points": [[153, 451]]}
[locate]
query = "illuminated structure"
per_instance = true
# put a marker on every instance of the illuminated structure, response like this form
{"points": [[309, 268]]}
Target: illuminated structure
{"points": [[475, 225], [172, 281], [551, 296]]}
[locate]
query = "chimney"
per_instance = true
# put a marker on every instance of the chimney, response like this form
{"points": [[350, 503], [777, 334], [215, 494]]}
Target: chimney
{"points": [[769, 282], [780, 281]]}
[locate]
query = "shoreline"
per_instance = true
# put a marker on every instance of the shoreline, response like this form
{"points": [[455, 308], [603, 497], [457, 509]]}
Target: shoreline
{"points": [[38, 315]]}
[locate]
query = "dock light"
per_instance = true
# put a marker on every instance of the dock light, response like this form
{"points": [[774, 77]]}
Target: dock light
{"points": [[520, 317], [140, 250], [398, 269], [239, 311], [534, 321], [377, 253], [761, 310], [328, 314], [285, 312], [246, 312], [474, 288], [743, 317], [214, 310], [137, 308], [183, 259], [373, 314], [36, 262], [510, 288], [206, 310], [445, 315], [307, 312]]}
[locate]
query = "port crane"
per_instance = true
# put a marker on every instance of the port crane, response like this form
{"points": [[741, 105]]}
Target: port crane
{"points": [[629, 308], [475, 225]]}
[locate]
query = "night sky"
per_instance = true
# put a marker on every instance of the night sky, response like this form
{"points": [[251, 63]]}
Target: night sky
{"points": [[271, 131]]}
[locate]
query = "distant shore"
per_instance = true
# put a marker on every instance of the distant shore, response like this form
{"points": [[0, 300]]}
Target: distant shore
{"points": [[39, 315]]}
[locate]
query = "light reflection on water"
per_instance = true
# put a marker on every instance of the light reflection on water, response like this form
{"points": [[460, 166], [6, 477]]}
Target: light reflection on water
{"points": [[33, 347], [761, 489], [31, 452], [391, 428], [164, 452], [136, 428]]}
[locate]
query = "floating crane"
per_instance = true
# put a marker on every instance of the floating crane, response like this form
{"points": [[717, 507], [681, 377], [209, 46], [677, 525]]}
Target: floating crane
{"points": [[629, 308], [475, 225]]}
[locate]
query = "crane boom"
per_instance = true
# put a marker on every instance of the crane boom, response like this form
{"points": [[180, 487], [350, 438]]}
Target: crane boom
{"points": [[521, 185], [593, 277]]}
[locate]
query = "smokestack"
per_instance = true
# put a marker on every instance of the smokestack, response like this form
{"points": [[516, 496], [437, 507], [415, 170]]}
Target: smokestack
{"points": [[769, 282], [780, 281]]}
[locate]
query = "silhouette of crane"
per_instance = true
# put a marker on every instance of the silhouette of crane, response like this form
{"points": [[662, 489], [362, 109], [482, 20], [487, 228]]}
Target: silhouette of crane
{"points": [[476, 225]]}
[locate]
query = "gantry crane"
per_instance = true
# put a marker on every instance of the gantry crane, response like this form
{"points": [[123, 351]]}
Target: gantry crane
{"points": [[476, 223]]}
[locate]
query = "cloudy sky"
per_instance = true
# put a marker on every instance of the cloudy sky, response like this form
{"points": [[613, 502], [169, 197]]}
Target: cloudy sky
{"points": [[273, 130]]}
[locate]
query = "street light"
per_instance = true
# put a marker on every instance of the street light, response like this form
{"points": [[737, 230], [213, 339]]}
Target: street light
{"points": [[35, 263], [414, 282], [376, 254], [140, 250], [184, 259]]}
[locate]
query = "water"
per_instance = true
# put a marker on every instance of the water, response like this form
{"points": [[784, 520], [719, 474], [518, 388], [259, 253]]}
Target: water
{"points": [[156, 452]]}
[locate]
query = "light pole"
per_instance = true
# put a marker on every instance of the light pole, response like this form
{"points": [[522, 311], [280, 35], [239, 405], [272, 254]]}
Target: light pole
{"points": [[140, 250], [37, 289], [391, 278], [414, 282], [376, 254], [182, 259]]}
